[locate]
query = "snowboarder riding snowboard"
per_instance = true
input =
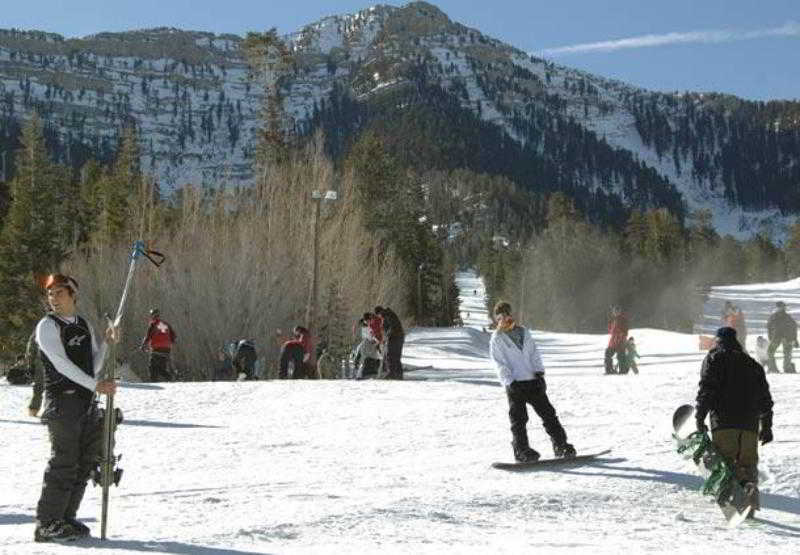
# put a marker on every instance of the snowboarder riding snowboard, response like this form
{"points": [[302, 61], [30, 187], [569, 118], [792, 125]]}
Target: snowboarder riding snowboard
{"points": [[520, 370]]}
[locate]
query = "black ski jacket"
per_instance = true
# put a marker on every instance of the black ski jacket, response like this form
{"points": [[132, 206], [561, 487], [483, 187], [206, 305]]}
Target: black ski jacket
{"points": [[733, 390], [392, 326], [781, 327]]}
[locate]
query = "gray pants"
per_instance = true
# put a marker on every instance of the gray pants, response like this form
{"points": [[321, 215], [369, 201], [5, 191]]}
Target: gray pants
{"points": [[76, 441], [787, 345]]}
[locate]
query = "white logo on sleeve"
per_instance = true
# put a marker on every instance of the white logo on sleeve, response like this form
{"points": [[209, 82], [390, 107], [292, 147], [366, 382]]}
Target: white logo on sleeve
{"points": [[76, 341]]}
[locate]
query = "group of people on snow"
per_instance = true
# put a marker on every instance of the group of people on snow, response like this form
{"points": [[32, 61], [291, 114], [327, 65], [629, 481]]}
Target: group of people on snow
{"points": [[733, 389], [70, 356], [379, 349], [620, 344]]}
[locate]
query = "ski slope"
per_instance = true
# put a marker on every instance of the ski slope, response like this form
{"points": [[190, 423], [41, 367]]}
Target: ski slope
{"points": [[403, 467]]}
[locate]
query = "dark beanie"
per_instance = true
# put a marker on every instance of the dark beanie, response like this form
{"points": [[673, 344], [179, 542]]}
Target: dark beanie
{"points": [[726, 333]]}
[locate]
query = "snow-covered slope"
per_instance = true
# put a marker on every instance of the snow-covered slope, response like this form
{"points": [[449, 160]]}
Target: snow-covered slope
{"points": [[403, 467]]}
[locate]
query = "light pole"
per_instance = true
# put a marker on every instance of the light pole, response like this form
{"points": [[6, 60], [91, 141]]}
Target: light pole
{"points": [[419, 293], [311, 309]]}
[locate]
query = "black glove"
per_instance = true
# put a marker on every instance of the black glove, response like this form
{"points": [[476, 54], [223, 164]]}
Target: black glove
{"points": [[765, 435]]}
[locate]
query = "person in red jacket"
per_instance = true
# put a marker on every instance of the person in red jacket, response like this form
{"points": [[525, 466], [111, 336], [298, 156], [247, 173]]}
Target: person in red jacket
{"points": [[296, 350], [158, 341], [618, 329]]}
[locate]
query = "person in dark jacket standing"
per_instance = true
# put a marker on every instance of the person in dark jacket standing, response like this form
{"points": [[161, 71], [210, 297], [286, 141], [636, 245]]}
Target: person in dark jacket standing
{"points": [[781, 331], [734, 393], [71, 357], [395, 338], [159, 340]]}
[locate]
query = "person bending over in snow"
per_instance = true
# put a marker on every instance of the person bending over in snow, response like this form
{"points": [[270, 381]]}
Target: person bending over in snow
{"points": [[520, 370], [735, 394]]}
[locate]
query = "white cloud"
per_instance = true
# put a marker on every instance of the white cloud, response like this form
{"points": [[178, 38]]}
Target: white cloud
{"points": [[788, 29]]}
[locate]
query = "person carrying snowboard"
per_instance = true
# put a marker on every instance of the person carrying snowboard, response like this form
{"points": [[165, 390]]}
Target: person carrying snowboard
{"points": [[71, 357], [159, 340], [734, 393], [781, 331], [520, 370]]}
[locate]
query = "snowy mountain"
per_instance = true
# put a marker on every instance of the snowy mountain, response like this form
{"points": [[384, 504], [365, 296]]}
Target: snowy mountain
{"points": [[403, 467], [197, 105]]}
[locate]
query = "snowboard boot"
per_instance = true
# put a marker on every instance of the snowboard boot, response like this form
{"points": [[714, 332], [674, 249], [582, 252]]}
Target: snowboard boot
{"points": [[564, 451], [523, 453], [753, 496], [54, 531], [79, 527]]}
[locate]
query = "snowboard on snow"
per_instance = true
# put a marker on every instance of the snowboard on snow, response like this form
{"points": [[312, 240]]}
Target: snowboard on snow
{"points": [[721, 483], [579, 459]]}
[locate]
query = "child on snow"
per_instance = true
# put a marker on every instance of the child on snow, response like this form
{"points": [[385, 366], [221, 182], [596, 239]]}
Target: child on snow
{"points": [[631, 355], [762, 352]]}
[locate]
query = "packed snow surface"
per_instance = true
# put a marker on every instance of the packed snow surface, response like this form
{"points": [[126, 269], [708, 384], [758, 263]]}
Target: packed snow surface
{"points": [[377, 466]]}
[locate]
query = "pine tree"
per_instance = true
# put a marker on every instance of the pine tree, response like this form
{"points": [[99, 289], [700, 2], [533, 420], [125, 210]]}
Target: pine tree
{"points": [[33, 239], [117, 190]]}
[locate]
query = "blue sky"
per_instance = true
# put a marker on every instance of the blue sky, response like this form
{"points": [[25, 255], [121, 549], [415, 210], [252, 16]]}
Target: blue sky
{"points": [[744, 47]]}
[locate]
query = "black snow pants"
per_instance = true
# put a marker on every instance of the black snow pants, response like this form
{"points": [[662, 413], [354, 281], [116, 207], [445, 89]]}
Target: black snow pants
{"points": [[158, 366], [533, 392], [75, 427], [622, 360], [394, 356], [291, 353]]}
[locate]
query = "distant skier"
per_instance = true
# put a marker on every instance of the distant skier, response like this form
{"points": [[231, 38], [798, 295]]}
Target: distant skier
{"points": [[726, 318], [395, 338], [159, 340], [618, 330], [782, 331], [19, 373], [735, 394], [71, 357], [244, 360], [762, 351], [295, 352], [367, 359], [737, 322], [520, 370]]}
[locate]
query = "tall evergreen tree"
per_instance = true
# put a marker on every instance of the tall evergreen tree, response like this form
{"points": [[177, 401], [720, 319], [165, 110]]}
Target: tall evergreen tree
{"points": [[32, 242]]}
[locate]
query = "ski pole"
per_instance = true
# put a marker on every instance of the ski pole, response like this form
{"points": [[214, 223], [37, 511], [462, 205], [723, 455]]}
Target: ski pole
{"points": [[108, 472]]}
